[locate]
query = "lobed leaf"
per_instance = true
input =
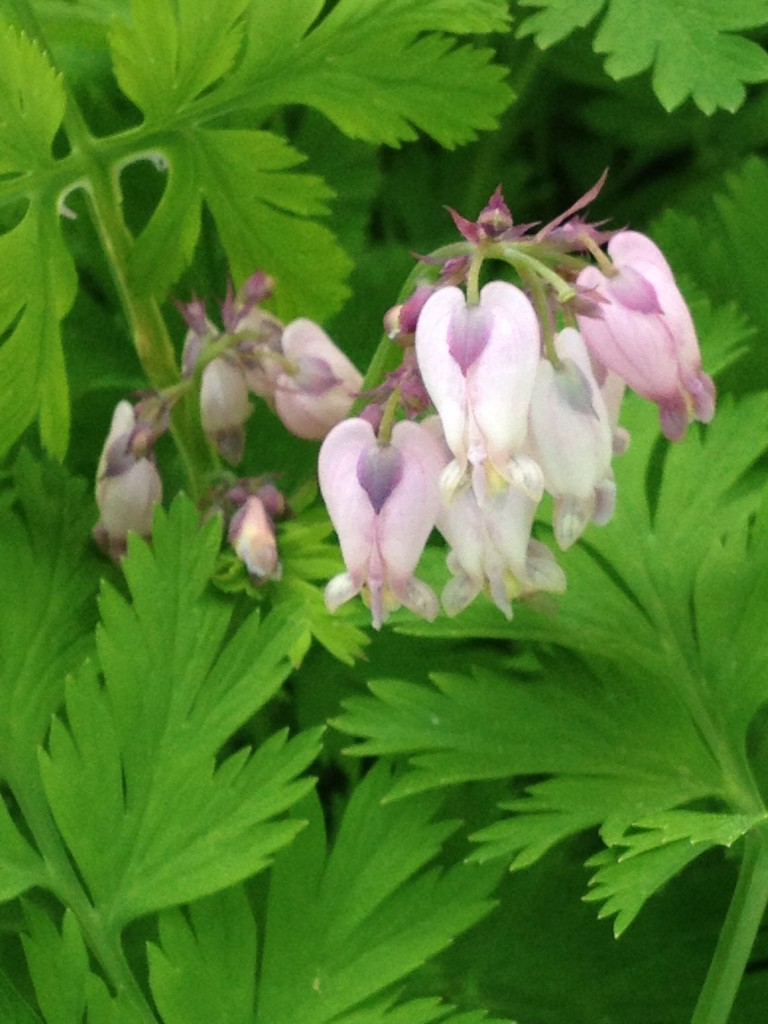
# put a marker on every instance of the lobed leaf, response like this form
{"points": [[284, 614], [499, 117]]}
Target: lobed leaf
{"points": [[168, 53], [152, 811], [343, 926], [690, 44], [32, 102], [47, 608]]}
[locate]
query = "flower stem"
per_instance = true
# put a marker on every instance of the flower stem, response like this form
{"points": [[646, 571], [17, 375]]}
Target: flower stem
{"points": [[737, 935]]}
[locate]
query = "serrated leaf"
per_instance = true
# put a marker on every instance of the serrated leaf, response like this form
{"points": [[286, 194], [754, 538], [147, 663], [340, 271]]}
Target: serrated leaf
{"points": [[344, 927], [166, 54], [262, 209], [690, 44], [37, 289], [149, 813], [381, 68], [32, 104], [58, 965], [204, 968], [47, 608]]}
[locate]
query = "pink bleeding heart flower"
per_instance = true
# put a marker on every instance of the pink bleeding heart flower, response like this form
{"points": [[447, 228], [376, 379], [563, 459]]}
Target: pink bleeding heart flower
{"points": [[128, 484], [383, 500], [478, 363], [322, 386], [492, 550], [571, 435], [645, 333]]}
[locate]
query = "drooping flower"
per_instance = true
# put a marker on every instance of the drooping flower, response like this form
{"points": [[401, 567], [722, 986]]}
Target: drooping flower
{"points": [[383, 500], [571, 436], [127, 481], [478, 364], [322, 386], [492, 550], [645, 333], [224, 406]]}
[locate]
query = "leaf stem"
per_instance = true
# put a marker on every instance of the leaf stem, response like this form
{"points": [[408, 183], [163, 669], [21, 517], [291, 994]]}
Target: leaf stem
{"points": [[65, 884], [737, 935]]}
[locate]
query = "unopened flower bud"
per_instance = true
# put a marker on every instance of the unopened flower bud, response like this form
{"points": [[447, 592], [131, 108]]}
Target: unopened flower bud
{"points": [[252, 535], [127, 485], [224, 407]]}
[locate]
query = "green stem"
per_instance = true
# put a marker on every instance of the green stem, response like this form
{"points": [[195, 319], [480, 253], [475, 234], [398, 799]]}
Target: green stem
{"points": [[65, 884], [148, 328], [737, 935]]}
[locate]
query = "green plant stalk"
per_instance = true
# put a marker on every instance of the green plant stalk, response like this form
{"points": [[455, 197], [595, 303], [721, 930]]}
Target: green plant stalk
{"points": [[148, 328], [64, 883], [737, 935]]}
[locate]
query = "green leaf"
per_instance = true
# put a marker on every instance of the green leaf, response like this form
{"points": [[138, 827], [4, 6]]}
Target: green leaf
{"points": [[205, 966], [32, 104], [47, 608], [20, 866], [724, 255], [14, 1009], [168, 53], [691, 44], [58, 964], [37, 289], [379, 69], [344, 926], [642, 860], [264, 212], [150, 736]]}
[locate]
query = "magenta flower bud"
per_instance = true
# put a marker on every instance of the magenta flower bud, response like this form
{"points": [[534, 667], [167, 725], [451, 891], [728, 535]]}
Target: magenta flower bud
{"points": [[224, 407], [252, 535], [571, 436], [127, 485], [320, 391], [383, 500], [478, 364], [645, 333]]}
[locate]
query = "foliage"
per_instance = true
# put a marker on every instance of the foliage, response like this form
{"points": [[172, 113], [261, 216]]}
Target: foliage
{"points": [[219, 802]]}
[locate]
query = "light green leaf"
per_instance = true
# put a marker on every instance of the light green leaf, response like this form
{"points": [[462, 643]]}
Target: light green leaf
{"points": [[58, 965], [204, 969], [344, 926], [37, 289], [47, 608], [379, 69], [31, 104], [691, 44], [262, 210], [168, 53], [20, 866], [150, 736]]}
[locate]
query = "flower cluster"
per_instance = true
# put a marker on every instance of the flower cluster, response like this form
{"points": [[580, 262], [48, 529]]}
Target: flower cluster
{"points": [[527, 381], [296, 368]]}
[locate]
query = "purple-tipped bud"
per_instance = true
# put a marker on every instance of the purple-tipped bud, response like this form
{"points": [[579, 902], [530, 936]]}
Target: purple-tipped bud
{"points": [[252, 535], [127, 485], [224, 407]]}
